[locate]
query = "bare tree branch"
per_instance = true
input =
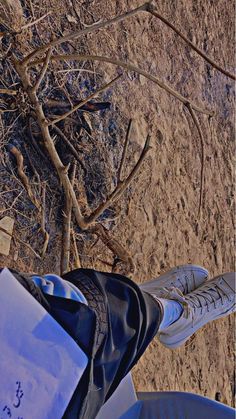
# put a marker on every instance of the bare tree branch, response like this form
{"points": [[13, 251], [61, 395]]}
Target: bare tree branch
{"points": [[192, 113], [113, 245], [43, 224], [146, 7], [77, 263], [70, 146], [129, 67], [43, 71], [121, 186], [84, 31], [65, 255], [49, 144], [24, 179], [75, 108], [152, 10], [34, 22], [119, 173]]}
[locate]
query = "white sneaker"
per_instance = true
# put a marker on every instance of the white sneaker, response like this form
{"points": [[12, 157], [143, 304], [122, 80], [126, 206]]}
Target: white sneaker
{"points": [[214, 299], [185, 278]]}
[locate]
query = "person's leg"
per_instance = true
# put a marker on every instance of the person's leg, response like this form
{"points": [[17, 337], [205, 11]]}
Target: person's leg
{"points": [[128, 319], [116, 327]]}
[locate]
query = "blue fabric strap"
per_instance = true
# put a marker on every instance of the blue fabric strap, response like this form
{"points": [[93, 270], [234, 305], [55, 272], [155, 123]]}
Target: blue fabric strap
{"points": [[54, 285]]}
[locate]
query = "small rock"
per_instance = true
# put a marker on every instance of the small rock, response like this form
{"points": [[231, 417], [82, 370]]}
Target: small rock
{"points": [[6, 224], [71, 19]]}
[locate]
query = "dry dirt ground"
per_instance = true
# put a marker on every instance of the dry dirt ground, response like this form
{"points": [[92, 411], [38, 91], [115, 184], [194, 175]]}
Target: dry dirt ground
{"points": [[157, 218]]}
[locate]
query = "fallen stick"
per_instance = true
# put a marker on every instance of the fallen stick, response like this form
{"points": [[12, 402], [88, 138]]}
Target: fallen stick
{"points": [[29, 247], [153, 11], [70, 146], [65, 253], [77, 263], [43, 225], [34, 22], [113, 245], [22, 175], [84, 31], [130, 67], [146, 7], [192, 113], [75, 108], [123, 157], [121, 186], [9, 92]]}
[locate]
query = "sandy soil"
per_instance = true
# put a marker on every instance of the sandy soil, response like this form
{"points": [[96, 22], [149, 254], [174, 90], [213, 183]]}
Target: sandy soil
{"points": [[157, 219]]}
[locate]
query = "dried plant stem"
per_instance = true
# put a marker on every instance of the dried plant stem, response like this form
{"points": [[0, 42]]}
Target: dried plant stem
{"points": [[9, 92], [43, 224], [196, 122], [75, 108], [70, 146], [77, 263], [153, 11], [34, 22], [22, 175], [12, 204], [113, 245], [121, 186], [146, 7], [129, 67], [84, 31], [29, 247], [65, 255], [43, 71], [97, 229], [119, 173], [48, 142]]}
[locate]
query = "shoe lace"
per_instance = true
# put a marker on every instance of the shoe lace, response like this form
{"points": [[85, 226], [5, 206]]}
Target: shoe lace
{"points": [[207, 295], [186, 282]]}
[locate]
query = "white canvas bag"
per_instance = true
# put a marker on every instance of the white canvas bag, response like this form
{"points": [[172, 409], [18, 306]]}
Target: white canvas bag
{"points": [[40, 364]]}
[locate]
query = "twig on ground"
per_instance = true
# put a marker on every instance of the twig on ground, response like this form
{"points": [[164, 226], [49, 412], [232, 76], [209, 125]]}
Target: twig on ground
{"points": [[33, 168], [65, 254], [113, 245], [34, 22], [43, 71], [84, 31], [121, 186], [70, 146], [9, 92], [35, 144], [152, 10], [13, 203], [129, 67], [29, 247], [196, 122], [77, 263], [43, 224], [146, 7], [124, 151], [22, 175], [75, 108]]}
